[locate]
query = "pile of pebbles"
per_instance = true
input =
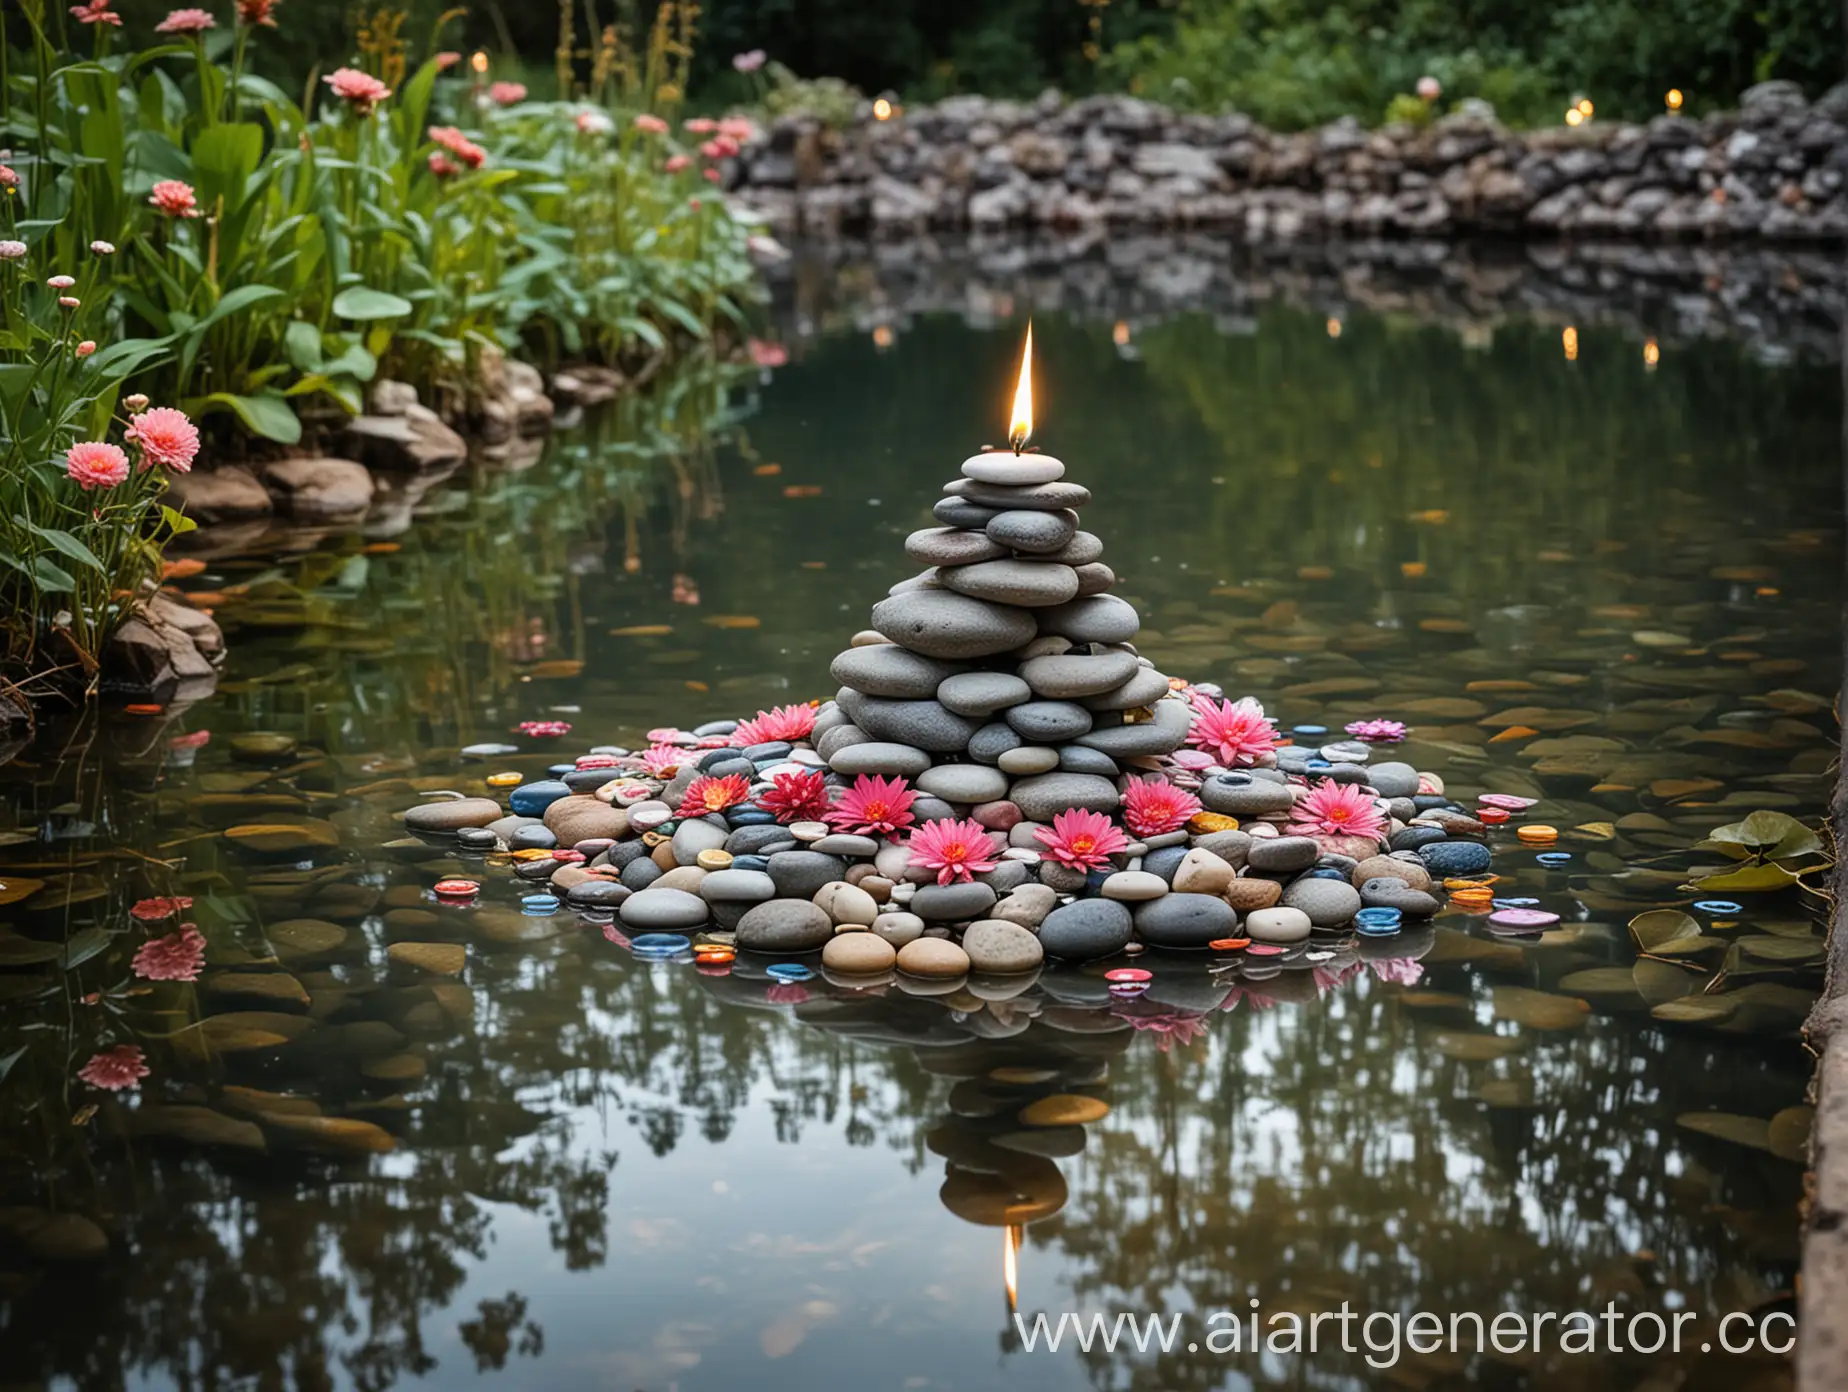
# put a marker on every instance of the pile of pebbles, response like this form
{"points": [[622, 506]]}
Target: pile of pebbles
{"points": [[1001, 685]]}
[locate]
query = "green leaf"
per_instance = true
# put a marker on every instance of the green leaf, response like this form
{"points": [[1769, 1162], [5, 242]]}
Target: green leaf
{"points": [[178, 523], [1659, 927], [128, 356], [302, 342], [7, 1062], [63, 541], [50, 576], [1750, 879], [83, 946], [363, 302], [236, 302], [267, 415]]}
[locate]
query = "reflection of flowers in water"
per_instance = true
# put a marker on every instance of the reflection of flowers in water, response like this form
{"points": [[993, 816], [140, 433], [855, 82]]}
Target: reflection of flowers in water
{"points": [[1399, 971], [686, 590], [1377, 731], [615, 935], [786, 994], [1170, 1027], [178, 956], [115, 1069]]}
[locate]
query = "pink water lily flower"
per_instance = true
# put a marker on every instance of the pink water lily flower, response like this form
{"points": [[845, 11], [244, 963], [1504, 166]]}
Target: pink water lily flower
{"points": [[115, 1069], [1336, 809], [1377, 731], [956, 850], [1081, 840], [1234, 732], [1154, 806], [873, 806], [673, 164], [707, 795], [782, 723], [176, 957]]}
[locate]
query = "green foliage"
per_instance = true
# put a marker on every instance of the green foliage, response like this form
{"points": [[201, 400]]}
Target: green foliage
{"points": [[1293, 63], [1405, 109], [240, 255], [830, 100]]}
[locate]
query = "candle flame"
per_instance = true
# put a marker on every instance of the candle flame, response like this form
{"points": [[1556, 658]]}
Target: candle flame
{"points": [[1010, 1266], [1020, 426], [479, 61]]}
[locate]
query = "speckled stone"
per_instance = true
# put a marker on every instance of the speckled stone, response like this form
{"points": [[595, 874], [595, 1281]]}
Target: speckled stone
{"points": [[798, 874], [1033, 531], [989, 743], [1329, 903], [898, 928], [995, 945], [923, 725], [1027, 905], [1082, 549], [1086, 930], [737, 886], [1250, 892], [941, 624], [956, 512], [1029, 759], [1282, 855], [1093, 577], [844, 903], [1162, 735], [885, 669], [952, 903], [784, 925], [1455, 858], [1144, 687], [1133, 886], [1039, 496], [858, 954]]}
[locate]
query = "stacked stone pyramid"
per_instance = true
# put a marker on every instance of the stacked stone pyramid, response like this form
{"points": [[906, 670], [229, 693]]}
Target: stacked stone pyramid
{"points": [[1005, 671]]}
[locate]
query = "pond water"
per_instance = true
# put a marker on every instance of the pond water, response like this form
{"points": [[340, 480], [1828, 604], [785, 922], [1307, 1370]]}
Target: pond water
{"points": [[1611, 585]]}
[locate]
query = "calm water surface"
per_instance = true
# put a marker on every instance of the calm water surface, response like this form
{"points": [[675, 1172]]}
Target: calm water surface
{"points": [[1612, 588]]}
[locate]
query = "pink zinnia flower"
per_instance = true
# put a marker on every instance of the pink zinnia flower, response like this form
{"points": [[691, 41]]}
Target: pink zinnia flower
{"points": [[1336, 809], [93, 464], [102, 248], [1377, 731], [506, 93], [69, 302], [705, 795], [650, 124], [797, 797], [359, 89], [9, 176], [166, 438], [447, 59], [873, 806], [673, 164], [749, 61], [765, 353], [1081, 840], [153, 910], [700, 125], [115, 1069], [442, 166], [738, 128], [96, 12], [176, 957], [1234, 732], [1154, 806], [174, 198], [782, 723], [956, 850], [257, 12], [186, 22], [11, 250], [60, 282], [710, 175], [459, 145], [594, 123], [1429, 88]]}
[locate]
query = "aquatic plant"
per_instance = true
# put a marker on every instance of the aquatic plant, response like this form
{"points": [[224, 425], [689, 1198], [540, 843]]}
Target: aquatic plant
{"points": [[797, 797], [1336, 809], [1234, 732], [782, 723], [955, 849], [1377, 731], [1154, 806], [707, 795], [1081, 840], [873, 806]]}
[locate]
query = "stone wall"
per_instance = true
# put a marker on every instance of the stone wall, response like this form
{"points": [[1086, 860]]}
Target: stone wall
{"points": [[1775, 168]]}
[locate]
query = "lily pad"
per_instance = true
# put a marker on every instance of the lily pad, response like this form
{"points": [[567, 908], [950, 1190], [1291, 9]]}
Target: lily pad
{"points": [[1785, 951], [1660, 982], [1658, 927], [1790, 1133], [1474, 1048], [1600, 981], [1694, 1010], [1749, 879], [13, 888], [1539, 1009]]}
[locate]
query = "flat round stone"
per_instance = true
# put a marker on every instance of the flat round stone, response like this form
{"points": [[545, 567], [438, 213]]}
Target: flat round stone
{"points": [[885, 669], [1162, 735], [1133, 886], [982, 693], [1031, 584], [456, 813], [1066, 676], [841, 843], [663, 908], [1282, 925], [1039, 496], [880, 757], [926, 725], [989, 743], [1094, 619], [995, 945], [1093, 577], [1033, 531], [736, 887], [784, 925], [1184, 920], [1028, 759], [1049, 721], [939, 623], [1144, 687], [953, 902], [1328, 903], [858, 954], [933, 958], [1043, 796], [798, 874], [969, 783], [1083, 549], [950, 546], [1239, 794], [955, 512], [1012, 470], [1085, 930]]}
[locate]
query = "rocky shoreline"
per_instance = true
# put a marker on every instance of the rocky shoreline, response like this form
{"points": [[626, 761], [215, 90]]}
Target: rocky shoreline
{"points": [[1774, 169]]}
